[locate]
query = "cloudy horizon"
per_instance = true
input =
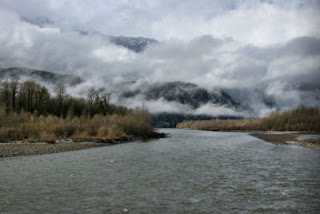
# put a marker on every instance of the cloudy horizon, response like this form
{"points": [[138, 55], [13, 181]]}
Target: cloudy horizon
{"points": [[249, 48]]}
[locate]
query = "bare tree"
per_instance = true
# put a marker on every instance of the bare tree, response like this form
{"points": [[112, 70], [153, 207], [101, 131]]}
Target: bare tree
{"points": [[92, 96], [5, 94], [13, 84], [105, 102], [60, 91]]}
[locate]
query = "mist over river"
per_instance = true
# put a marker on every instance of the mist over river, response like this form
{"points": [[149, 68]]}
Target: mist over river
{"points": [[188, 172]]}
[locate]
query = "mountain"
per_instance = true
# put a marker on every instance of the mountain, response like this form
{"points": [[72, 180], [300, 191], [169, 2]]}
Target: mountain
{"points": [[187, 94], [183, 93], [136, 44], [40, 21], [40, 75]]}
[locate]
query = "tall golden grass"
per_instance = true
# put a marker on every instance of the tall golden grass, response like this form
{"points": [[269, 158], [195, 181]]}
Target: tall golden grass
{"points": [[300, 119], [32, 127]]}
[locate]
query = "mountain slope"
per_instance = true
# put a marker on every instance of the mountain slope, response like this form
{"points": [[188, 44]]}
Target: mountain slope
{"points": [[40, 21], [136, 44], [40, 75], [183, 93]]}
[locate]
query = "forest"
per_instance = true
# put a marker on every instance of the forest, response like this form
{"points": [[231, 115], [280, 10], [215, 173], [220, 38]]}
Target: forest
{"points": [[300, 119], [29, 112]]}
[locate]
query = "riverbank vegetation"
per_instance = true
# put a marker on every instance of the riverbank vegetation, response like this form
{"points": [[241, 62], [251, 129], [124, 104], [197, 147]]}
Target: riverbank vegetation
{"points": [[28, 112], [300, 119]]}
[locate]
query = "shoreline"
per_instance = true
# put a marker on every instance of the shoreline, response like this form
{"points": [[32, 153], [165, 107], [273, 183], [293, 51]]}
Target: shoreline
{"points": [[21, 148], [17, 149], [288, 139], [24, 148]]}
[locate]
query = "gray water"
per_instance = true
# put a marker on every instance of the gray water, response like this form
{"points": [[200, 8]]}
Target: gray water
{"points": [[189, 172]]}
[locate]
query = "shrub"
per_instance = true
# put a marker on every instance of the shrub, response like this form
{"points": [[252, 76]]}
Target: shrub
{"points": [[47, 138], [59, 131], [70, 129], [3, 135], [115, 133], [103, 131]]}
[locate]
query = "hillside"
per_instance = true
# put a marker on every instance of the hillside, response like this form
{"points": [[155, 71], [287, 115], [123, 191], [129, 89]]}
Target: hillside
{"points": [[39, 75], [183, 93], [136, 44]]}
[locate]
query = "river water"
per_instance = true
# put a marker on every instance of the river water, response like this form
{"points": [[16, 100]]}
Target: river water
{"points": [[188, 172]]}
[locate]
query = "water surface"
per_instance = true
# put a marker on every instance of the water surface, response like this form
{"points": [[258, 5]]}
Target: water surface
{"points": [[189, 172]]}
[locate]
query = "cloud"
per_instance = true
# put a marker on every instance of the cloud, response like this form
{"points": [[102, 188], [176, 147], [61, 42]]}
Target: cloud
{"points": [[250, 21], [158, 106], [218, 110], [111, 53], [256, 50]]}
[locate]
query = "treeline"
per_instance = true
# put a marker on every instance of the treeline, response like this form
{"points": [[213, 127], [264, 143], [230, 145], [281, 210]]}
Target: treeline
{"points": [[28, 112], [300, 119], [32, 97]]}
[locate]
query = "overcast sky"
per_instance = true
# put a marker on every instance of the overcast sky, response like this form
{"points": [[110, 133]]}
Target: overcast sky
{"points": [[252, 21], [268, 46]]}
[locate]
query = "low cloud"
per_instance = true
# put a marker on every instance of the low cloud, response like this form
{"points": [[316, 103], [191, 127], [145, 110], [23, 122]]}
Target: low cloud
{"points": [[274, 66]]}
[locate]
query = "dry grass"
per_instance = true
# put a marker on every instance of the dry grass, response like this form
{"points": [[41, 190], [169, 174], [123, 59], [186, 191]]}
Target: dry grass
{"points": [[300, 119], [26, 126]]}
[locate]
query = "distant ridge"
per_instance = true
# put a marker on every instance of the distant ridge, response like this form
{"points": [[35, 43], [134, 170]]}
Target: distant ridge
{"points": [[40, 75], [136, 44], [183, 93]]}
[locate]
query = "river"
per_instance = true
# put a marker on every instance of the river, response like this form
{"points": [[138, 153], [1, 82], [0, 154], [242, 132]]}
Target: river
{"points": [[188, 172]]}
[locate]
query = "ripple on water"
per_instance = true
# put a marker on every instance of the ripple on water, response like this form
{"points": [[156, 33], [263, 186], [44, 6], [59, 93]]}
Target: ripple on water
{"points": [[190, 172]]}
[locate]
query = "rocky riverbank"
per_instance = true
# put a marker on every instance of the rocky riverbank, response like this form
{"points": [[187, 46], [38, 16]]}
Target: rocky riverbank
{"points": [[289, 138], [22, 148], [25, 148]]}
